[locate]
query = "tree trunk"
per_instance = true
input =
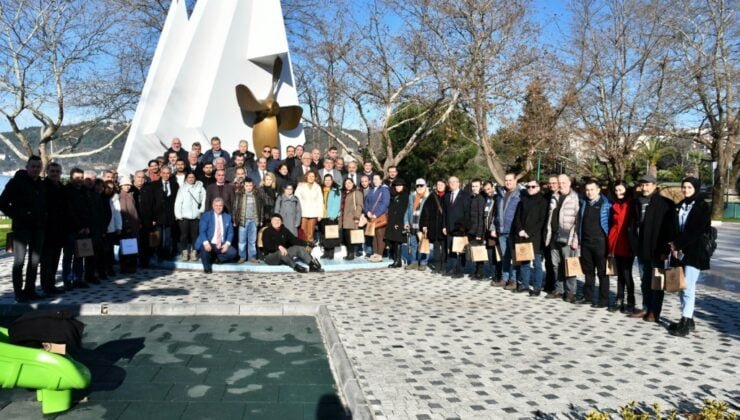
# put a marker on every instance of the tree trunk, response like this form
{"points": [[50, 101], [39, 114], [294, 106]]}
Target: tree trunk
{"points": [[653, 169]]}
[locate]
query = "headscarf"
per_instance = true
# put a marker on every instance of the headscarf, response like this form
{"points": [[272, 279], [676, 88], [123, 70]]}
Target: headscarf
{"points": [[696, 184]]}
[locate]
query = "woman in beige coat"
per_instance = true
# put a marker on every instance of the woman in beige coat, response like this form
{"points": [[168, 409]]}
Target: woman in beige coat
{"points": [[311, 197], [352, 200]]}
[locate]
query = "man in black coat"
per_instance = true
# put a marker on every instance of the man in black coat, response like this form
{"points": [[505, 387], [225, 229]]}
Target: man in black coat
{"points": [[432, 223], [477, 228], [80, 226], [528, 225], [56, 231], [176, 146], [158, 211], [457, 220], [282, 247], [650, 233], [222, 189], [23, 201]]}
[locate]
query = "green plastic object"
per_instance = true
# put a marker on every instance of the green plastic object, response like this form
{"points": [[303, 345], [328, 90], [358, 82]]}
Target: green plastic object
{"points": [[52, 376]]}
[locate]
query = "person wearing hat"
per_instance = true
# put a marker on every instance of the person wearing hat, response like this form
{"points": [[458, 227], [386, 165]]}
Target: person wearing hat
{"points": [[694, 219], [653, 227], [130, 223], [416, 260], [395, 233]]}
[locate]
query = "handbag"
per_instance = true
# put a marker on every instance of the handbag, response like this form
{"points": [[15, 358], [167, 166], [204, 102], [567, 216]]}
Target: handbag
{"points": [[573, 267], [129, 246], [259, 237], [523, 251], [331, 232], [381, 221], [84, 248], [356, 237], [459, 243]]}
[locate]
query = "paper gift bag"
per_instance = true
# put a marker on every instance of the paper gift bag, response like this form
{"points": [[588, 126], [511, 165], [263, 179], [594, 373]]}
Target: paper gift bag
{"points": [[675, 281], [356, 236], [259, 237], [331, 232], [370, 229], [611, 266], [129, 246], [573, 267], [9, 242], [459, 243], [478, 253], [84, 248], [424, 245], [658, 281], [524, 251], [154, 239]]}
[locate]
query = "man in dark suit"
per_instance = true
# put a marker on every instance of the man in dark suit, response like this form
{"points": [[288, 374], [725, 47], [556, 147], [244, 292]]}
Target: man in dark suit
{"points": [[158, 210], [457, 218], [221, 189], [215, 233], [259, 174], [301, 170]]}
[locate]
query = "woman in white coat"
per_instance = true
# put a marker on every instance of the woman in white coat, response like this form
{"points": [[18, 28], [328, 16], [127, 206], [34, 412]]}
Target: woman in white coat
{"points": [[311, 197], [189, 205]]}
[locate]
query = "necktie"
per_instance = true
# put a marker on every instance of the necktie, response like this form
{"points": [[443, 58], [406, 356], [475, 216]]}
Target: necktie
{"points": [[166, 189], [219, 231], [454, 196]]}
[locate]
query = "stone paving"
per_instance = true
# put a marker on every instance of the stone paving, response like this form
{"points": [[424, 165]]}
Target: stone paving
{"points": [[429, 347]]}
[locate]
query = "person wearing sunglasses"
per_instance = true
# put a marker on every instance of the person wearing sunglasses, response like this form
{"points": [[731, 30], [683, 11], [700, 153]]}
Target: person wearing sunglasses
{"points": [[529, 222]]}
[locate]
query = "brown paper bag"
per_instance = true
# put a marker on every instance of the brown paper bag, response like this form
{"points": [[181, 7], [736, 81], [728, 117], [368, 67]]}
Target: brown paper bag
{"points": [[259, 237], [573, 267], [675, 281], [459, 243], [154, 239], [84, 248], [331, 232], [357, 236], [478, 253], [658, 281], [523, 252], [611, 266], [424, 245], [370, 229]]}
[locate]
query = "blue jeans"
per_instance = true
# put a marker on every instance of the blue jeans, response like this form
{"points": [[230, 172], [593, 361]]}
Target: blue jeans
{"points": [[414, 255], [506, 243], [526, 272], [248, 235], [688, 295]]}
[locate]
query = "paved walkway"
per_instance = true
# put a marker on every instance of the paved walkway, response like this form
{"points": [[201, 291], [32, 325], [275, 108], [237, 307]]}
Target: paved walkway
{"points": [[428, 347]]}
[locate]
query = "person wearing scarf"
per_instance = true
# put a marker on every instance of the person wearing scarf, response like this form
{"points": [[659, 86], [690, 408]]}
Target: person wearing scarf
{"points": [[694, 219]]}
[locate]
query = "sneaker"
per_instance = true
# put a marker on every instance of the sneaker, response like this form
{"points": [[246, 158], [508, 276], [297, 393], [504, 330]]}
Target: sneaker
{"points": [[498, 283], [194, 255], [554, 295], [299, 269], [510, 285], [184, 256]]}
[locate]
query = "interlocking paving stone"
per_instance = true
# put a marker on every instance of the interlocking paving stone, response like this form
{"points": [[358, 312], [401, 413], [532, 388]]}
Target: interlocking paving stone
{"points": [[464, 344]]}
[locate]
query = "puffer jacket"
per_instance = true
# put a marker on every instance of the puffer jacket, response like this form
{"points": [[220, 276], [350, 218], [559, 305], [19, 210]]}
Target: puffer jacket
{"points": [[505, 210], [289, 207], [191, 201], [567, 219], [603, 215], [333, 204]]}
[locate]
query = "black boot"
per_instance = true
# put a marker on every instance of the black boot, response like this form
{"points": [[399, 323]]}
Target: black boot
{"points": [[314, 266], [690, 323], [682, 330], [396, 257], [677, 325]]}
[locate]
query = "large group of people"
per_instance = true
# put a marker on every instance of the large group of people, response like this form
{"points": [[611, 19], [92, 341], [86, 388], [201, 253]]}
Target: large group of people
{"points": [[261, 207]]}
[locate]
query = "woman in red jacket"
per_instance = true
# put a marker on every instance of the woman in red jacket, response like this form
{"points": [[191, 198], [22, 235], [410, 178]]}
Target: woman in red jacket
{"points": [[620, 217]]}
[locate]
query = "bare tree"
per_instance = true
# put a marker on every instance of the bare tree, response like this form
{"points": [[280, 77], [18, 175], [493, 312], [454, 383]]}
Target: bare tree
{"points": [[705, 59], [622, 46], [380, 77], [59, 63]]}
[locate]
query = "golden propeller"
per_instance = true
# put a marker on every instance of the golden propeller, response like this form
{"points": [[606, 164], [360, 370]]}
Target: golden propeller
{"points": [[270, 116]]}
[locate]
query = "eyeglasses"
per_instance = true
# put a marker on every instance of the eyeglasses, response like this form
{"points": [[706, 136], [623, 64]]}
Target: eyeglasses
{"points": [[531, 187], [420, 186]]}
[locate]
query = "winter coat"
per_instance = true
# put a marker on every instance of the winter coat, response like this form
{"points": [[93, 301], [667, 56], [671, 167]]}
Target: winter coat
{"points": [[129, 215], [227, 193], [620, 217], [603, 215], [311, 198], [282, 181], [101, 216], [477, 227], [191, 201], [57, 225], [396, 211], [333, 204], [23, 200], [208, 157], [157, 208], [290, 209], [352, 209], [457, 214], [241, 202], [432, 217], [650, 239], [690, 239], [530, 217], [567, 219], [269, 196], [116, 223], [408, 217], [272, 239], [505, 210], [377, 200], [78, 208]]}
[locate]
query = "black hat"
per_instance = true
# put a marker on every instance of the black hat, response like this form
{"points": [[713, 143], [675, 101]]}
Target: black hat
{"points": [[398, 181]]}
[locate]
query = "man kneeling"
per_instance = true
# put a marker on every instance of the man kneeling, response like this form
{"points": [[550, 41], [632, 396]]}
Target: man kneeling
{"points": [[215, 235], [281, 247]]}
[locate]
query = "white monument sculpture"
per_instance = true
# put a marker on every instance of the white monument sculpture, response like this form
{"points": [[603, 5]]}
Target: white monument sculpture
{"points": [[195, 76]]}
